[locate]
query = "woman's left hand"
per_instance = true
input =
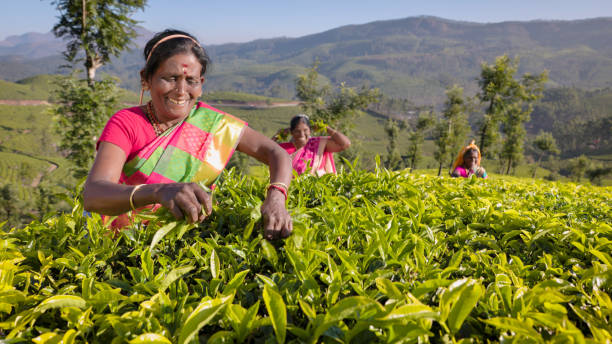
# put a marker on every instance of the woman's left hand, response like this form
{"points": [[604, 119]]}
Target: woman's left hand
{"points": [[480, 172], [277, 222]]}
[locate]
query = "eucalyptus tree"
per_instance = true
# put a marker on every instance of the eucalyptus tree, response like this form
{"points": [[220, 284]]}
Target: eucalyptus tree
{"points": [[335, 106], [97, 28], [95, 31], [452, 128], [518, 113], [423, 123], [578, 166], [509, 101], [545, 144], [393, 160]]}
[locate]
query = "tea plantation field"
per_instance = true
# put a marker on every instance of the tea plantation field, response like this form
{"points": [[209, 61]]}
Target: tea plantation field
{"points": [[377, 256]]}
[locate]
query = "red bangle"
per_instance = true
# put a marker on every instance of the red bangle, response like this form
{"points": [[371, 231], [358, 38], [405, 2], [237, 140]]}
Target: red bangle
{"points": [[279, 188]]}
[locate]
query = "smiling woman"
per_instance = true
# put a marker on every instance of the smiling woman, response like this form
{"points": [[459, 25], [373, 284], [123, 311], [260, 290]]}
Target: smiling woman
{"points": [[467, 163], [171, 151], [311, 152]]}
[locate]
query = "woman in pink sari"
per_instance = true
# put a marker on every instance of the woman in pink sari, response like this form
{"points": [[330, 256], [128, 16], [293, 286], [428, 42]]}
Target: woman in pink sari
{"points": [[171, 151], [316, 152]]}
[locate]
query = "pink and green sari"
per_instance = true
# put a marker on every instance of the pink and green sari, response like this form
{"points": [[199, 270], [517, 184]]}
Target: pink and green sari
{"points": [[194, 150], [312, 155]]}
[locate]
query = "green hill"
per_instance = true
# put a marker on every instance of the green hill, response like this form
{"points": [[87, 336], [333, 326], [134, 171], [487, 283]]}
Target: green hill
{"points": [[414, 58], [37, 87]]}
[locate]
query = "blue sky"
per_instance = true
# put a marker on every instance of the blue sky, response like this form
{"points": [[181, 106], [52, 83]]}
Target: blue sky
{"points": [[226, 21]]}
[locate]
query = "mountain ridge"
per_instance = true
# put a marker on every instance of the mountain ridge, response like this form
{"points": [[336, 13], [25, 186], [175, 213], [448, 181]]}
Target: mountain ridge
{"points": [[414, 57]]}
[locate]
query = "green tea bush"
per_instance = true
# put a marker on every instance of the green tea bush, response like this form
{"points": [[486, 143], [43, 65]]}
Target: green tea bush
{"points": [[374, 257]]}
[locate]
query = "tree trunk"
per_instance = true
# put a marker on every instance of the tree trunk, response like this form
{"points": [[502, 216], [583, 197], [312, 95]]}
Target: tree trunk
{"points": [[482, 138], [509, 165], [537, 165], [440, 168], [92, 64], [485, 126]]}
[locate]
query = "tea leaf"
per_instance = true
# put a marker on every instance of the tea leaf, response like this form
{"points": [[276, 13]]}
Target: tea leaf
{"points": [[277, 311], [202, 315]]}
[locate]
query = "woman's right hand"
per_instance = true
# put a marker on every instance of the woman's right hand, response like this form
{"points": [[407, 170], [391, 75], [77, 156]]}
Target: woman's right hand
{"points": [[276, 219], [185, 200]]}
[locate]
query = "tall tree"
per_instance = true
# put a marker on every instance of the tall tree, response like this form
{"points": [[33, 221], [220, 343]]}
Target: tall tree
{"points": [[452, 128], [333, 106], [422, 125], [517, 114], [337, 106], [81, 114], [393, 160], [499, 90], [545, 144], [509, 101], [441, 139], [9, 205], [455, 113], [578, 166], [98, 28]]}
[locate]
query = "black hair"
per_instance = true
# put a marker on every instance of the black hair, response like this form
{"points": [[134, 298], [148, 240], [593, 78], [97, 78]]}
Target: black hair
{"points": [[170, 48], [297, 119]]}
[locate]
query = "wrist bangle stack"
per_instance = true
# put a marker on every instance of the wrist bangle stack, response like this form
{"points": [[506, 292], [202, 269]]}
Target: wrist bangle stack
{"points": [[282, 187], [132, 195]]}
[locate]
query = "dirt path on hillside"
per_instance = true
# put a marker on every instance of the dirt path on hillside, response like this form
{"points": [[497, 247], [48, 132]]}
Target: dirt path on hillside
{"points": [[39, 177], [249, 105], [252, 105], [23, 102], [258, 104]]}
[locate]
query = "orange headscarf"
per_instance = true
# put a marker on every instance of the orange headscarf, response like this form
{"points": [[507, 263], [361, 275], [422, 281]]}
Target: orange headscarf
{"points": [[459, 159]]}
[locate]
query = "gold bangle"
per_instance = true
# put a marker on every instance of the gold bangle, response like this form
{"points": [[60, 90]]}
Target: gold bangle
{"points": [[132, 195]]}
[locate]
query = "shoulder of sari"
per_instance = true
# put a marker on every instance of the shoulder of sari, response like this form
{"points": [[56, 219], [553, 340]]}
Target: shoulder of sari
{"points": [[207, 117], [287, 146], [197, 150], [313, 142]]}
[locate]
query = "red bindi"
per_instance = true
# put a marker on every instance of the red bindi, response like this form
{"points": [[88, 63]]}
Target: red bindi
{"points": [[184, 68]]}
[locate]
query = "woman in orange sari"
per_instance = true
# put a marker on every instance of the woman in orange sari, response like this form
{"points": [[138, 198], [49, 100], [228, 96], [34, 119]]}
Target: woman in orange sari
{"points": [[314, 152], [467, 163]]}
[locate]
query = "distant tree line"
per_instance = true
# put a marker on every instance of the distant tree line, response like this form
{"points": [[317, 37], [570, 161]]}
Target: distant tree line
{"points": [[501, 115]]}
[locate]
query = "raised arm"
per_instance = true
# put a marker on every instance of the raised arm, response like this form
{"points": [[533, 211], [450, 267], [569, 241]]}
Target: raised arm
{"points": [[337, 141], [277, 222]]}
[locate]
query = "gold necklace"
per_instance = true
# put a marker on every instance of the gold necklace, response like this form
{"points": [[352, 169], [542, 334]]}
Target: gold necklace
{"points": [[153, 119]]}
